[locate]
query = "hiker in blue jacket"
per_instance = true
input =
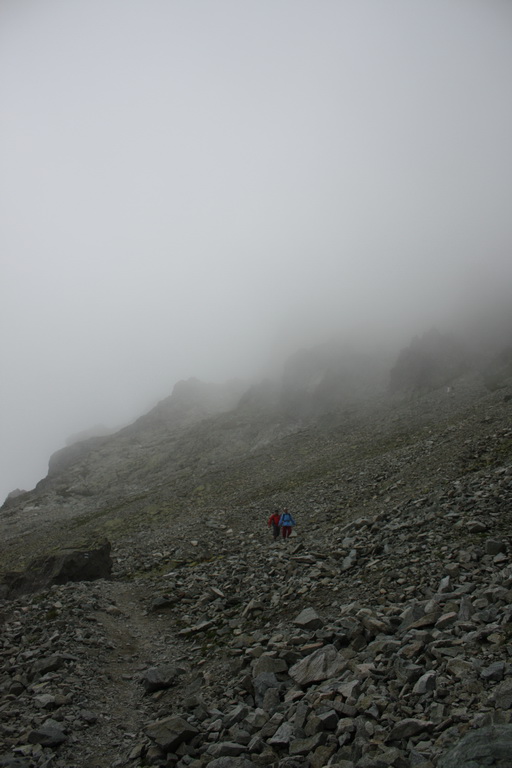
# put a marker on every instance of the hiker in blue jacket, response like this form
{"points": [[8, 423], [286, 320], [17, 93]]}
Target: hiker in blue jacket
{"points": [[286, 522]]}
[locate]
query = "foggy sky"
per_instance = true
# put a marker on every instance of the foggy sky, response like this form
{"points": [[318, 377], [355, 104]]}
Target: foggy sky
{"points": [[194, 187]]}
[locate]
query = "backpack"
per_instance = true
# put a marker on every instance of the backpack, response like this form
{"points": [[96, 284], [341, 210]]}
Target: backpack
{"points": [[287, 519]]}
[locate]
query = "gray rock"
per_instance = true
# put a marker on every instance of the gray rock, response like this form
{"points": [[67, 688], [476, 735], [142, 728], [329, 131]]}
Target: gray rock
{"points": [[494, 547], [502, 695], [308, 619], [485, 747], [271, 700], [411, 615], [328, 720], [49, 734], [46, 665], [476, 526], [160, 677], [349, 561], [426, 682], [45, 701], [494, 671], [226, 749], [236, 715], [283, 736], [267, 663], [409, 727], [170, 732], [320, 665], [307, 745], [261, 684]]}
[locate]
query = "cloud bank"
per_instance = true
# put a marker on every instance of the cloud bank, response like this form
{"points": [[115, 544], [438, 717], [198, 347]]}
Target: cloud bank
{"points": [[194, 188]]}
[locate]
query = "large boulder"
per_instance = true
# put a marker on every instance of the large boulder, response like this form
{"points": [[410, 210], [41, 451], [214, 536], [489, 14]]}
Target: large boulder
{"points": [[80, 564]]}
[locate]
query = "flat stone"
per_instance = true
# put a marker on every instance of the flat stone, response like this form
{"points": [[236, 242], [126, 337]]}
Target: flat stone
{"points": [[409, 727], [226, 749]]}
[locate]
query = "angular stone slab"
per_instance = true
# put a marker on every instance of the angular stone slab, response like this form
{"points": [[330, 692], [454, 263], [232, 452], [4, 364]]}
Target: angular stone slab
{"points": [[410, 727], [308, 619], [170, 732], [320, 665]]}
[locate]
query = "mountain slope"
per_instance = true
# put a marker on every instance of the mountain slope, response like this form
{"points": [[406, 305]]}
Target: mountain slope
{"points": [[197, 652], [166, 466]]}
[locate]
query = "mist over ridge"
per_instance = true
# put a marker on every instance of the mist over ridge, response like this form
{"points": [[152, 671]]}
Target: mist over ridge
{"points": [[200, 190], [317, 384]]}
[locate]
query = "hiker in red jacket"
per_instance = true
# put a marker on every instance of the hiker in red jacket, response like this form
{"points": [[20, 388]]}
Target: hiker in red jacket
{"points": [[273, 522]]}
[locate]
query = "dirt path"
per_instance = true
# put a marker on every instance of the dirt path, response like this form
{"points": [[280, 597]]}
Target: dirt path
{"points": [[116, 696]]}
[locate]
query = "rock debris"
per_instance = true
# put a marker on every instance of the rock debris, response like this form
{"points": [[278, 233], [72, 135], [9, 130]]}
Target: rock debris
{"points": [[378, 635]]}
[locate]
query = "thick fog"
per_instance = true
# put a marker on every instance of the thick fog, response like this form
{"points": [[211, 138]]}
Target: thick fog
{"points": [[196, 187]]}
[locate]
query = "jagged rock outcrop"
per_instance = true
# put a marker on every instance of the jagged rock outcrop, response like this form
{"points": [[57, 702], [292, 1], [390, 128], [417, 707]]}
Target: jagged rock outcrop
{"points": [[13, 496], [191, 401], [329, 376], [430, 361], [65, 458]]}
